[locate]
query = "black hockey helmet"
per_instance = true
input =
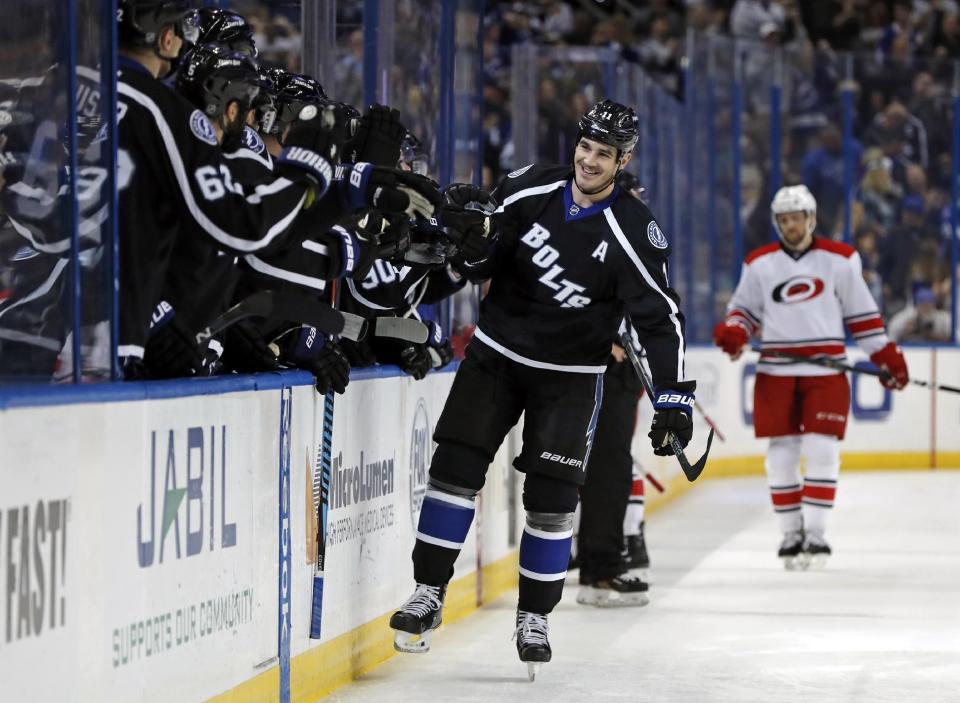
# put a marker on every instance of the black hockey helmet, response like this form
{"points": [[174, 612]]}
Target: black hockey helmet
{"points": [[414, 155], [139, 22], [295, 92], [226, 28], [212, 77], [611, 123]]}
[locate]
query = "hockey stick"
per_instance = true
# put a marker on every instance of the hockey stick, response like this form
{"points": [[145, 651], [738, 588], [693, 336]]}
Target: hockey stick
{"points": [[691, 472], [321, 498], [404, 328], [649, 476], [840, 366], [290, 307]]}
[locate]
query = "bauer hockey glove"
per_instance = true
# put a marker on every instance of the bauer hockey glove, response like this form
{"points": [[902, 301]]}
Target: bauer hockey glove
{"points": [[364, 185], [171, 351], [673, 409], [469, 230], [731, 337], [438, 346], [311, 350], [890, 359], [379, 136]]}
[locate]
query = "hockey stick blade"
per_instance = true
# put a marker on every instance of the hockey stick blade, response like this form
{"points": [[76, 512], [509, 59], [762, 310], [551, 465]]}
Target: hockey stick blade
{"points": [[401, 328], [293, 308], [840, 366], [691, 472]]}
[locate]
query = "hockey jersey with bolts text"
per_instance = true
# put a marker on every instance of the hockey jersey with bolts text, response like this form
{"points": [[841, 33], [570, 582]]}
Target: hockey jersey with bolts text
{"points": [[563, 276], [801, 305]]}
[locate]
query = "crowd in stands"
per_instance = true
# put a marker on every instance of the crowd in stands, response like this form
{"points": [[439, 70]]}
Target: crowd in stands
{"points": [[897, 59]]}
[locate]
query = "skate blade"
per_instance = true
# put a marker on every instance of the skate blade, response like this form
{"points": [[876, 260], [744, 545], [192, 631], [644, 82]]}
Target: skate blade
{"points": [[603, 598], [410, 643], [533, 668], [815, 562], [797, 563]]}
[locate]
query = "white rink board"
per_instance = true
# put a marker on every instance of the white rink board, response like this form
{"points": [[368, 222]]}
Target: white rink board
{"points": [[133, 609]]}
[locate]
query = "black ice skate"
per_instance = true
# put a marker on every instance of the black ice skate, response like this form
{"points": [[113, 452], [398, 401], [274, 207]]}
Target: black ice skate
{"points": [[621, 591], [532, 644], [791, 549], [635, 551], [416, 620], [815, 551]]}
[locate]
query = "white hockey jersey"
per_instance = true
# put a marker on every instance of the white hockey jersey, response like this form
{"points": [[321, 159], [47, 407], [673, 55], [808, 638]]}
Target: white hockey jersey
{"points": [[800, 305]]}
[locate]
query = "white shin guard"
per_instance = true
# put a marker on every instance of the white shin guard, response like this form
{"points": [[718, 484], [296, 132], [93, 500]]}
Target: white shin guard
{"points": [[821, 454], [783, 477]]}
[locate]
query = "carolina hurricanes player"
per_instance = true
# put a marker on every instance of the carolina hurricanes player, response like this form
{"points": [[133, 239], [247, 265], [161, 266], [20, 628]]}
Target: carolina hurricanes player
{"points": [[798, 294]]}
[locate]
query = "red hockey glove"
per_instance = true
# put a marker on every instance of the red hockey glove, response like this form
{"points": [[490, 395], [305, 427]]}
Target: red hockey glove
{"points": [[890, 359], [731, 337]]}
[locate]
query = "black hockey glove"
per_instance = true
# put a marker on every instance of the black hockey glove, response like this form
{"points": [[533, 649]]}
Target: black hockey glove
{"points": [[464, 194], [438, 347], [364, 185], [172, 352], [331, 369], [468, 229], [379, 136], [246, 350], [323, 129], [371, 237], [673, 409], [415, 360]]}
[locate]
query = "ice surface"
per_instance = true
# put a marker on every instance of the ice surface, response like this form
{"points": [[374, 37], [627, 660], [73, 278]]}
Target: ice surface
{"points": [[726, 622]]}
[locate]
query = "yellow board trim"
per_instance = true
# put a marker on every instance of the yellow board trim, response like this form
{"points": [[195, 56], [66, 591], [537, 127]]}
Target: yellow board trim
{"points": [[320, 670]]}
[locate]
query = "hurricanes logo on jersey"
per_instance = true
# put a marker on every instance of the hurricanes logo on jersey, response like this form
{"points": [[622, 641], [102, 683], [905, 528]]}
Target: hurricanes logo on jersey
{"points": [[798, 289]]}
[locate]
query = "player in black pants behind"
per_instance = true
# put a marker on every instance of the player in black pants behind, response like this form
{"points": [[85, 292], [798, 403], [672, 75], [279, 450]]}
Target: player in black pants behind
{"points": [[567, 256]]}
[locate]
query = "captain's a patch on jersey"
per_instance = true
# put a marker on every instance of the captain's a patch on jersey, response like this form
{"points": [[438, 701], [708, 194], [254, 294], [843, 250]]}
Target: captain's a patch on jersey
{"points": [[655, 236], [252, 141], [520, 171], [202, 128]]}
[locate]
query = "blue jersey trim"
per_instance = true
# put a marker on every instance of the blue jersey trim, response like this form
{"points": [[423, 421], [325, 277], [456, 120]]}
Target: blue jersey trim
{"points": [[582, 212]]}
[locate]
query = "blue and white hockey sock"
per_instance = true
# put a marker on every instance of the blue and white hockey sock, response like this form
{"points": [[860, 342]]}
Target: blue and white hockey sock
{"points": [[544, 556], [445, 520]]}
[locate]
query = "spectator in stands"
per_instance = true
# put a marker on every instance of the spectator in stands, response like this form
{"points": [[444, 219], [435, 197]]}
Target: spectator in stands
{"points": [[348, 71], [900, 27], [921, 321], [835, 21], [659, 52], [899, 249], [866, 243], [896, 121], [946, 35], [748, 16], [822, 171], [879, 193]]}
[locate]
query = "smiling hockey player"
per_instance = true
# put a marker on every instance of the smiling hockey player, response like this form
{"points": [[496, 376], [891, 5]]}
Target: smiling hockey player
{"points": [[798, 294], [567, 253]]}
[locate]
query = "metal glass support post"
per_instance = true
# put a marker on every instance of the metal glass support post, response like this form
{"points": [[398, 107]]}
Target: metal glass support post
{"points": [[319, 23], [108, 83], [736, 109], [776, 93], [954, 194], [387, 30], [687, 209], [712, 177], [445, 132], [371, 31], [846, 106], [478, 94], [73, 211]]}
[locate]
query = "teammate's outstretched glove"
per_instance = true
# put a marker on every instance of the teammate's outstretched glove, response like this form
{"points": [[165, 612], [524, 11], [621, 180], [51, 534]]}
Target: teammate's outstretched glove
{"points": [[415, 360], [731, 337], [438, 346], [392, 190], [673, 410], [379, 136], [172, 352], [890, 359], [465, 193]]}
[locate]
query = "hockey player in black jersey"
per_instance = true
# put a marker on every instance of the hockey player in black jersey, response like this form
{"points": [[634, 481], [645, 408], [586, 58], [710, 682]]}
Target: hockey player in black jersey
{"points": [[566, 257]]}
